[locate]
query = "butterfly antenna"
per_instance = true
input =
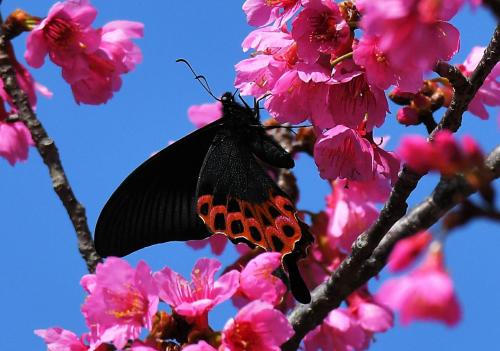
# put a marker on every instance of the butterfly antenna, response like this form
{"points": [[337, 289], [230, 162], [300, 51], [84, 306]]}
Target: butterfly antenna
{"points": [[244, 102], [263, 97], [200, 78]]}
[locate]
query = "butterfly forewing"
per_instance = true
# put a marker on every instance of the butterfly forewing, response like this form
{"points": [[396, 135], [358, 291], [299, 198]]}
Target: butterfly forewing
{"points": [[156, 202]]}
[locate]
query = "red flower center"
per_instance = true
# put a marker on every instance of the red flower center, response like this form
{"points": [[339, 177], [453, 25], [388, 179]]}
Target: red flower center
{"points": [[244, 338], [61, 32], [324, 28]]}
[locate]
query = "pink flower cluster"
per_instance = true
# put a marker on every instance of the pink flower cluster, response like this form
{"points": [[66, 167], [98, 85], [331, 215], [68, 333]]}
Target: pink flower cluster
{"points": [[395, 46], [427, 292], [311, 66], [123, 301], [92, 60], [444, 154], [350, 328]]}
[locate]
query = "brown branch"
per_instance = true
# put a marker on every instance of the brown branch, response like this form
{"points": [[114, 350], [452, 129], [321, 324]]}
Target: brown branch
{"points": [[447, 194], [330, 294], [50, 155], [464, 93], [345, 279]]}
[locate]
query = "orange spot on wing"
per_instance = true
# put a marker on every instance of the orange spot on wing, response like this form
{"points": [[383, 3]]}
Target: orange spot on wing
{"points": [[271, 225]]}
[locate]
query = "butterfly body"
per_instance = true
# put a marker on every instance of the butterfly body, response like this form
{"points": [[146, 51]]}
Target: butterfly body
{"points": [[221, 188]]}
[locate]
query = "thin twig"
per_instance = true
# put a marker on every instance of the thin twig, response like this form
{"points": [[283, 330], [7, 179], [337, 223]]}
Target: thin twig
{"points": [[331, 293], [50, 155]]}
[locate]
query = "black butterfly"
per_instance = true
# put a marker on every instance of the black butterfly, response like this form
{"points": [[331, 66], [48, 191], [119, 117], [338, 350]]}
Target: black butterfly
{"points": [[209, 182]]}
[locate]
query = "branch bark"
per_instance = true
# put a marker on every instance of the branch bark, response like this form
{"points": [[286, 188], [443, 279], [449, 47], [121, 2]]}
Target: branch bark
{"points": [[447, 194], [329, 295], [50, 155], [347, 277]]}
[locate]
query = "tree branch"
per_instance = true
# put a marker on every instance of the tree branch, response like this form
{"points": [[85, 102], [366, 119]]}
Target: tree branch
{"points": [[447, 194], [328, 295], [464, 93], [50, 155]]}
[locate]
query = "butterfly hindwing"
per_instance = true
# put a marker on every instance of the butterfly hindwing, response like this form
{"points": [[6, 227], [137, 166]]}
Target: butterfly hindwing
{"points": [[237, 198], [156, 202]]}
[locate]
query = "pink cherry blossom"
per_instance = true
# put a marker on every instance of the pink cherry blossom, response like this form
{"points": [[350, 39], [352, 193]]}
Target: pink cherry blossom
{"points": [[371, 315], [352, 99], [96, 83], [376, 190], [217, 243], [489, 93], [339, 331], [320, 28], [406, 27], [257, 75], [262, 12], [92, 60], [65, 34], [194, 299], [267, 39], [117, 44], [256, 327], [407, 250], [15, 140], [379, 70], [444, 154], [293, 100], [427, 293], [58, 339], [201, 115], [121, 302], [348, 216], [342, 153], [95, 79], [258, 282], [387, 163]]}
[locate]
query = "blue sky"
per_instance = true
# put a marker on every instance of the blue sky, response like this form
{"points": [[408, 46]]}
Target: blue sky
{"points": [[40, 267]]}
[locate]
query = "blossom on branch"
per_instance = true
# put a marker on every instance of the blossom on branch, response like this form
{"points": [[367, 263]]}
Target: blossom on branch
{"points": [[257, 281], [58, 339], [263, 12], [201, 115], [405, 28], [92, 60], [444, 154], [122, 300], [407, 251], [256, 327], [195, 299], [427, 293], [347, 153], [15, 140]]}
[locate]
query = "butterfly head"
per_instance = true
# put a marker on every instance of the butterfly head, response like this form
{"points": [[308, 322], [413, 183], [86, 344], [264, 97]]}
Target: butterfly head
{"points": [[242, 114]]}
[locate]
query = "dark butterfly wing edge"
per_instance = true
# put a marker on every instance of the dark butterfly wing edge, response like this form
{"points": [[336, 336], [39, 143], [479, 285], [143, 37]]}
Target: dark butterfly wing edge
{"points": [[155, 203]]}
